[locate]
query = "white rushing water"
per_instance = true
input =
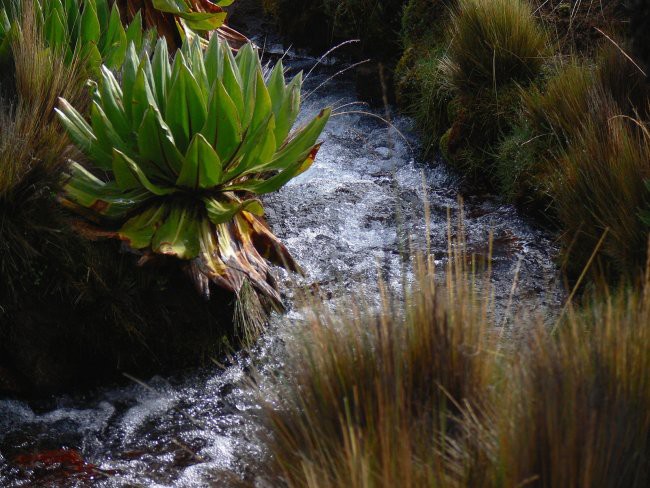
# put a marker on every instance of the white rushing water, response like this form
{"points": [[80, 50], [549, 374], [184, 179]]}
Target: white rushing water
{"points": [[347, 219]]}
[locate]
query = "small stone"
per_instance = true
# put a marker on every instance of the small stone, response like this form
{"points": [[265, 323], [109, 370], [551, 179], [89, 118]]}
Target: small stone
{"points": [[384, 152]]}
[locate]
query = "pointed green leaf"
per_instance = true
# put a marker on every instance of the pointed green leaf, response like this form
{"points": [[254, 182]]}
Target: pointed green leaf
{"points": [[274, 183], [129, 175], [161, 71], [142, 97], [223, 210], [301, 142], [248, 64], [201, 167], [105, 199], [134, 31], [156, 145], [213, 61], [113, 49], [178, 235], [82, 135], [139, 230], [222, 128], [111, 100], [104, 131], [276, 86], [186, 108], [56, 32], [90, 30], [263, 105], [287, 112], [232, 82], [129, 73], [249, 148]]}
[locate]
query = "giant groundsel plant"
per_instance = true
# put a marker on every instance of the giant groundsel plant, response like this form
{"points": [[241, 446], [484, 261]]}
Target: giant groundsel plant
{"points": [[90, 29], [94, 29], [179, 152]]}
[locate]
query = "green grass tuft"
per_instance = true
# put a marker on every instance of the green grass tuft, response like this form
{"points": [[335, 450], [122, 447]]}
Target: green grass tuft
{"points": [[599, 192], [493, 44]]}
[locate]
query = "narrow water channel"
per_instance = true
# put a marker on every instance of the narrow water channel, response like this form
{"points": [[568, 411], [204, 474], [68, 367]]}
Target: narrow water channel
{"points": [[351, 216]]}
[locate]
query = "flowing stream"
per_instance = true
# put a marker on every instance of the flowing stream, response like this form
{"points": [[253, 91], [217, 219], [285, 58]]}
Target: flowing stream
{"points": [[347, 220]]}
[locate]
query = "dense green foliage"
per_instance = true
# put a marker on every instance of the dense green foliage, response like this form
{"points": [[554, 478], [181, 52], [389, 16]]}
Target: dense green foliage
{"points": [[491, 87], [320, 24], [89, 29], [187, 144]]}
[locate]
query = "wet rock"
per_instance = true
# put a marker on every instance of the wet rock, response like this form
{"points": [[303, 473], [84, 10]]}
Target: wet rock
{"points": [[384, 152]]}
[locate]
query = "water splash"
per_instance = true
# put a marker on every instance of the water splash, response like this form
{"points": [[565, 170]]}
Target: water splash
{"points": [[352, 216]]}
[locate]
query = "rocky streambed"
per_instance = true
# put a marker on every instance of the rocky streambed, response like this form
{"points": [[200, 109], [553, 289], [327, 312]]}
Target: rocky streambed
{"points": [[354, 216]]}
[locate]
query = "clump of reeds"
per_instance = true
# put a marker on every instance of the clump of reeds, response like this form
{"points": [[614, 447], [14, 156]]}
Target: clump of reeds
{"points": [[425, 393], [492, 44], [577, 409], [373, 398]]}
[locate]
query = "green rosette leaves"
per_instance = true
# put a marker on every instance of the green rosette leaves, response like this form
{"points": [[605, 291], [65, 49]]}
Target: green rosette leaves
{"points": [[184, 147]]}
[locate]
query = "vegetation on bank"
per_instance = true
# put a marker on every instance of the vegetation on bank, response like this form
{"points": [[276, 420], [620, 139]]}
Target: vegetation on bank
{"points": [[430, 391], [77, 307], [320, 24], [556, 122], [545, 102]]}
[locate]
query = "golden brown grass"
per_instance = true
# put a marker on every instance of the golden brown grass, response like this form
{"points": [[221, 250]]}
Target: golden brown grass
{"points": [[31, 139], [33, 151], [374, 398], [577, 412], [423, 393]]}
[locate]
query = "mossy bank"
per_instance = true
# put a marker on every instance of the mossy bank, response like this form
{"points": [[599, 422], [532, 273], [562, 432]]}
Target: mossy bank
{"points": [[543, 102]]}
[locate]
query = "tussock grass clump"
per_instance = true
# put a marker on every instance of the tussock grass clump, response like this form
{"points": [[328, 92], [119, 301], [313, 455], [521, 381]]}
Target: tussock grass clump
{"points": [[551, 110], [578, 92], [374, 399], [494, 47], [578, 407], [493, 44], [560, 107], [590, 147], [416, 396], [599, 193]]}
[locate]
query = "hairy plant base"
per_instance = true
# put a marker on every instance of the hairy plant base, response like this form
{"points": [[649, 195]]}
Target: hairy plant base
{"points": [[108, 316]]}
